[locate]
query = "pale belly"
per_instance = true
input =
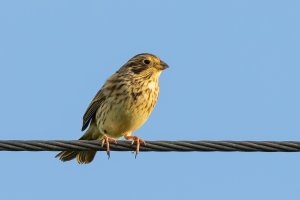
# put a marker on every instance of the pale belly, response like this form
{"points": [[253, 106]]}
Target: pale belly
{"points": [[121, 115], [123, 119]]}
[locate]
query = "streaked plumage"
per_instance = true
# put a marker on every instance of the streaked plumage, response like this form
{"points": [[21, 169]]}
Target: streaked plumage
{"points": [[123, 104]]}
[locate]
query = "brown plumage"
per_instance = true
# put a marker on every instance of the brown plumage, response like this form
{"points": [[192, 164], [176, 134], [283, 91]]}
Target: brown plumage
{"points": [[122, 105]]}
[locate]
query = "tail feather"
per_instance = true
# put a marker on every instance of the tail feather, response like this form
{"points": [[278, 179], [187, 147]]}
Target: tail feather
{"points": [[67, 155], [82, 157], [85, 157]]}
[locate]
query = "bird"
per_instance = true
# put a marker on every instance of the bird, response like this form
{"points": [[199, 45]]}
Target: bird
{"points": [[121, 106]]}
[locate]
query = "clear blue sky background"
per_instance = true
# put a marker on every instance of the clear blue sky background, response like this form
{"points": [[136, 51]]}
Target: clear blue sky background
{"points": [[234, 75]]}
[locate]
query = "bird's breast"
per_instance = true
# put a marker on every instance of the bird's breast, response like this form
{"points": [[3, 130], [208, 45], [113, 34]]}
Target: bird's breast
{"points": [[129, 111], [152, 85]]}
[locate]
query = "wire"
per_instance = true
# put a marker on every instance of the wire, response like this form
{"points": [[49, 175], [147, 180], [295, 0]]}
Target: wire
{"points": [[160, 146]]}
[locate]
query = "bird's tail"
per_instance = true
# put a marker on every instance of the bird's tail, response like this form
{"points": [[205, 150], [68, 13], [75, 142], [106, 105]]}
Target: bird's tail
{"points": [[82, 157]]}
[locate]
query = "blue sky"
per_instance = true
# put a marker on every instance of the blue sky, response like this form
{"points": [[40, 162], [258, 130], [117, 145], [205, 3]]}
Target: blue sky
{"points": [[234, 75]]}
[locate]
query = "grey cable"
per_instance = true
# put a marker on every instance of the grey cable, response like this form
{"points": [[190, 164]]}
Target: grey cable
{"points": [[161, 146]]}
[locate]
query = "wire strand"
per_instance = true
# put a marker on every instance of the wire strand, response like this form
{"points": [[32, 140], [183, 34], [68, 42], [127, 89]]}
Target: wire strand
{"points": [[160, 146]]}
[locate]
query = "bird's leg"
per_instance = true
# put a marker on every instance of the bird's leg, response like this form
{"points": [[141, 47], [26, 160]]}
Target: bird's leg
{"points": [[106, 140], [137, 140]]}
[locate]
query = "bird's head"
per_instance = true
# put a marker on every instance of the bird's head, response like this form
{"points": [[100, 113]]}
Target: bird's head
{"points": [[145, 65]]}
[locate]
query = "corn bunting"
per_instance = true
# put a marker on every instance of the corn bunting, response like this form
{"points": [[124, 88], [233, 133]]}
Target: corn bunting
{"points": [[122, 105]]}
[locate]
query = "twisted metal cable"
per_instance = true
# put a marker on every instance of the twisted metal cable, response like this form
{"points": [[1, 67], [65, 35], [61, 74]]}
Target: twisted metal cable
{"points": [[160, 146]]}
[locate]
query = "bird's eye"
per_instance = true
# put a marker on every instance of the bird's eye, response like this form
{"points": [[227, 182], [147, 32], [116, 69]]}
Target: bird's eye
{"points": [[146, 62]]}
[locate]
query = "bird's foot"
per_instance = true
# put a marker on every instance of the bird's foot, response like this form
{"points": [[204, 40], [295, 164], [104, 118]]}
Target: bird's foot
{"points": [[106, 140], [137, 140]]}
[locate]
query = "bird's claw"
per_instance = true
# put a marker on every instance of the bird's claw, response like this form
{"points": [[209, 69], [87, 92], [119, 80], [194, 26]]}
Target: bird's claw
{"points": [[136, 140], [106, 140]]}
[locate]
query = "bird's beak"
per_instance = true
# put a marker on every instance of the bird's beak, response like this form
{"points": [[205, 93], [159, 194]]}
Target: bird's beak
{"points": [[163, 65]]}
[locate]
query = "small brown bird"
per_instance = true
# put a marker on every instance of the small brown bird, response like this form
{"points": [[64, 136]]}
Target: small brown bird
{"points": [[122, 105]]}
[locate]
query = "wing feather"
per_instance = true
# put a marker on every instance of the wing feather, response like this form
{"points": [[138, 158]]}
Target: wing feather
{"points": [[99, 98], [92, 109]]}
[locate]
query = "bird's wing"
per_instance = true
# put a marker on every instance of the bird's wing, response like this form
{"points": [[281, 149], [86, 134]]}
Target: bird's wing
{"points": [[92, 109], [100, 97]]}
